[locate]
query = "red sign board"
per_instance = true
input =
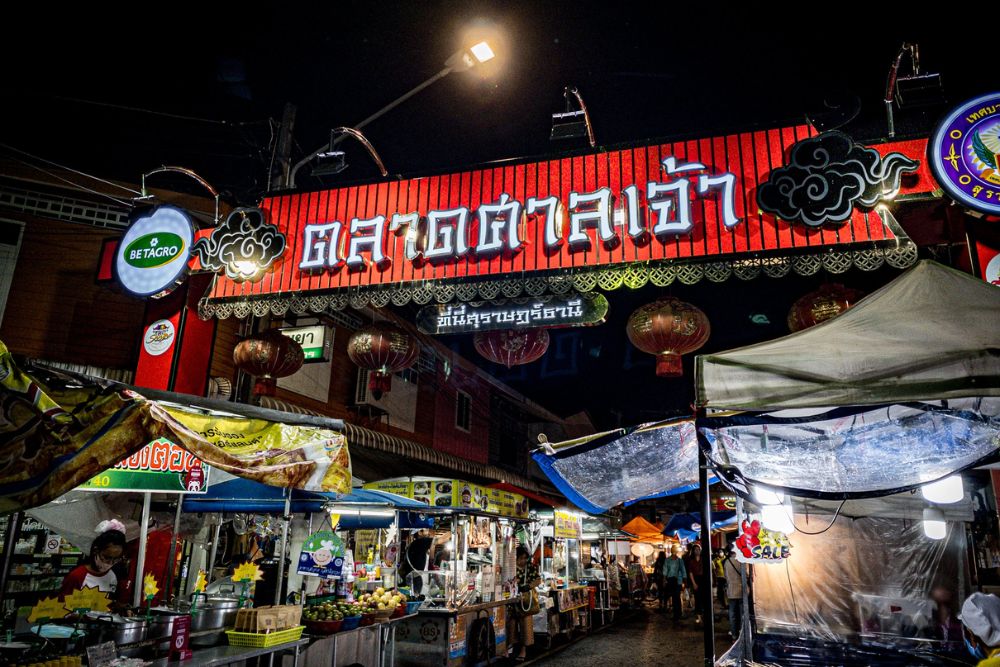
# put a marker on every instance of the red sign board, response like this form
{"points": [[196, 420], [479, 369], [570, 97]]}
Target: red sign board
{"points": [[680, 201]]}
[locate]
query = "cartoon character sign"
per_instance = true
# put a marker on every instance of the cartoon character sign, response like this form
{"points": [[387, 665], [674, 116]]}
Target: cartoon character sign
{"points": [[757, 544], [322, 555]]}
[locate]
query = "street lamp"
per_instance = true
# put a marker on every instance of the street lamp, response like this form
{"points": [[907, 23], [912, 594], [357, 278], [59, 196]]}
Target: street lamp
{"points": [[460, 61]]}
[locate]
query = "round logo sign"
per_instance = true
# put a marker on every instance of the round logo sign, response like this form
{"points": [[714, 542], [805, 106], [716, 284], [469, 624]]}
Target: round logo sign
{"points": [[158, 337], [965, 154], [153, 255], [993, 271]]}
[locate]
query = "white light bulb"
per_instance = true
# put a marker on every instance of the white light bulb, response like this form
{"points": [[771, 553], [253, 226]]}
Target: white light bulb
{"points": [[944, 491], [934, 525], [482, 52], [766, 496], [777, 518]]}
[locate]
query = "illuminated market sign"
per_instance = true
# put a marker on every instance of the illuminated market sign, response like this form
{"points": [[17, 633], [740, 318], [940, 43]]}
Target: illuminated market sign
{"points": [[685, 201], [152, 258], [965, 154], [550, 311]]}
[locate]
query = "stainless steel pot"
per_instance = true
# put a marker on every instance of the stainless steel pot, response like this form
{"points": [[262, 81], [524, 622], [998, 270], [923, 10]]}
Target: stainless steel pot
{"points": [[161, 626], [120, 630], [217, 612]]}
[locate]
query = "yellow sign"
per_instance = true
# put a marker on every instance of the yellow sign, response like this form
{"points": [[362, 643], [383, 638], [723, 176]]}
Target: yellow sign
{"points": [[457, 493], [87, 598], [247, 572], [149, 587], [567, 525], [47, 608]]}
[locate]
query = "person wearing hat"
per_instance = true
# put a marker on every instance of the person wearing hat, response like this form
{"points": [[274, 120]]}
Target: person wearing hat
{"points": [[981, 621]]}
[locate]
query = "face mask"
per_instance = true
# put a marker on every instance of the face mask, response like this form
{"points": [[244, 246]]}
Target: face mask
{"points": [[975, 651]]}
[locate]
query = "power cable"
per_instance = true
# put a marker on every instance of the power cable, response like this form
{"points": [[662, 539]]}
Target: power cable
{"points": [[70, 169], [212, 121], [84, 188]]}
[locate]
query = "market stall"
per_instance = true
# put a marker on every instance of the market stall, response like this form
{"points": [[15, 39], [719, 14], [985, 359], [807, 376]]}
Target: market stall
{"points": [[914, 372], [463, 571]]}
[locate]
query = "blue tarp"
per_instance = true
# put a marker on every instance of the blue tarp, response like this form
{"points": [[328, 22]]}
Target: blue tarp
{"points": [[243, 495], [687, 526]]}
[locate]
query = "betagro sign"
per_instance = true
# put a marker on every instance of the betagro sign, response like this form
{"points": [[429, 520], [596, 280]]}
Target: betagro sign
{"points": [[152, 257]]}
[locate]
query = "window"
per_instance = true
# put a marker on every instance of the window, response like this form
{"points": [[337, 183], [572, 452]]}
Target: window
{"points": [[463, 412]]}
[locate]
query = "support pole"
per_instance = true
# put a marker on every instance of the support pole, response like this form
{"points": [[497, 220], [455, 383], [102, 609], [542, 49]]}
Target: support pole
{"points": [[171, 560], [147, 499], [215, 549], [9, 542], [708, 620], [284, 546]]}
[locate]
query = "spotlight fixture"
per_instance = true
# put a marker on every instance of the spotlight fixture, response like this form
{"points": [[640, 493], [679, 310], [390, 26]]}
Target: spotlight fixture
{"points": [[915, 90], [572, 123]]}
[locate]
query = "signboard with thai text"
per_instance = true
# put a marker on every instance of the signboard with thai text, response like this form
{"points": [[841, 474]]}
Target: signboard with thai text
{"points": [[160, 466], [545, 311], [681, 201]]}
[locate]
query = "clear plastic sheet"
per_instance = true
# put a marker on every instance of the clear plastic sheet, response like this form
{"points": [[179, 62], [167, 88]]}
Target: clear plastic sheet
{"points": [[868, 582], [627, 465], [855, 450]]}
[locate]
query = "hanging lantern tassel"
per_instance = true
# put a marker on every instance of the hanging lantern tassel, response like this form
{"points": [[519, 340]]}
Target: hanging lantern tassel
{"points": [[379, 382], [668, 328]]}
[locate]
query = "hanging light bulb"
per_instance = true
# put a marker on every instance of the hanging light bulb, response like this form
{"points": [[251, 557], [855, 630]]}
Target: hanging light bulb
{"points": [[766, 496], [944, 491], [777, 518], [934, 525]]}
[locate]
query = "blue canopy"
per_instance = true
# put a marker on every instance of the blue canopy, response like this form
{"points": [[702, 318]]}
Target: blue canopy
{"points": [[243, 495], [687, 526]]}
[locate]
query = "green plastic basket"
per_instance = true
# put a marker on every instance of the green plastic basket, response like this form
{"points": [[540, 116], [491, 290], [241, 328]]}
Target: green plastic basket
{"points": [[264, 640]]}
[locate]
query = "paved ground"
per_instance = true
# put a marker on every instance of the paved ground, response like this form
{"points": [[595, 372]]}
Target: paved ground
{"points": [[647, 638]]}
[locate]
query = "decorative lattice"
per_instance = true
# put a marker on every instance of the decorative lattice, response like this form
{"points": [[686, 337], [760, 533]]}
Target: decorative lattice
{"points": [[807, 265], [358, 300], [241, 309], [689, 274], [747, 269], [206, 311], [422, 295], [318, 304], [465, 291], [338, 301], [400, 295], [535, 286], [776, 267], [662, 275], [869, 260], [224, 311], [511, 288], [488, 291], [279, 307], [260, 308], [837, 262], [380, 298], [585, 282], [444, 293], [560, 284], [902, 256], [299, 305], [610, 279], [718, 272]]}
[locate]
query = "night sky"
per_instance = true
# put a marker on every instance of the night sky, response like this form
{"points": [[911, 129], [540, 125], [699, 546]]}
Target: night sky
{"points": [[118, 95]]}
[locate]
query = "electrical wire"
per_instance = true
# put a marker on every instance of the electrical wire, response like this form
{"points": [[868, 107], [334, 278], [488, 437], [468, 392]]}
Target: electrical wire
{"points": [[84, 188], [70, 169], [832, 521], [212, 121]]}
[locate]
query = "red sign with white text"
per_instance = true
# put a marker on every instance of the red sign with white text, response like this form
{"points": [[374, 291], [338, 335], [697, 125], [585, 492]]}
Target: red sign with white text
{"points": [[678, 201]]}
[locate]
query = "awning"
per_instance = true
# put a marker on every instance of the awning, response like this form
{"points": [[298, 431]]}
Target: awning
{"points": [[242, 495], [607, 469], [687, 525], [545, 500], [376, 455]]}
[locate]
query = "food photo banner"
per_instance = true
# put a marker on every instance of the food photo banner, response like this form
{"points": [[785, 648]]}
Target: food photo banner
{"points": [[777, 191]]}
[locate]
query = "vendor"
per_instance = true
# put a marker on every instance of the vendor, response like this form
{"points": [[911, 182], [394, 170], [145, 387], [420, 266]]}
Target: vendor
{"points": [[98, 570], [981, 620], [528, 579], [419, 556]]}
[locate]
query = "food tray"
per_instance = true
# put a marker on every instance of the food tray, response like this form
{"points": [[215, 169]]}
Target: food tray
{"points": [[261, 640]]}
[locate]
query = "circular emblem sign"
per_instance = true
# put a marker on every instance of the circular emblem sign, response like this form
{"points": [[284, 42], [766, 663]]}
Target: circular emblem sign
{"points": [[158, 337], [965, 154], [993, 271], [153, 255]]}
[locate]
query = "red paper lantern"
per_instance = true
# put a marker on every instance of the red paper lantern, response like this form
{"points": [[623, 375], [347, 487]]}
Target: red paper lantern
{"points": [[382, 348], [512, 348], [668, 328], [268, 356], [820, 305]]}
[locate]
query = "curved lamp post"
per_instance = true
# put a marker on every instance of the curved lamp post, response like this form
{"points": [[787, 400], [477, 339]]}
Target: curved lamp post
{"points": [[460, 61]]}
